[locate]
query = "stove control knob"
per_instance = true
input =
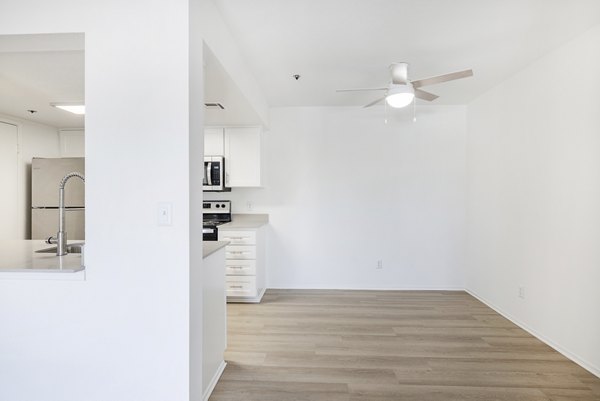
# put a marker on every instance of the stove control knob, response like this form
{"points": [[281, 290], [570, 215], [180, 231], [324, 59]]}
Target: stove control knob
{"points": [[223, 205], [218, 205]]}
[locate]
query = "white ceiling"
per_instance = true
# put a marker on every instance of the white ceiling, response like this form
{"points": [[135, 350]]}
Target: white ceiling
{"points": [[36, 70], [350, 43], [331, 43], [220, 88]]}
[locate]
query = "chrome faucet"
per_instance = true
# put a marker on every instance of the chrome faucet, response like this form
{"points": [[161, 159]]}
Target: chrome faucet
{"points": [[61, 237]]}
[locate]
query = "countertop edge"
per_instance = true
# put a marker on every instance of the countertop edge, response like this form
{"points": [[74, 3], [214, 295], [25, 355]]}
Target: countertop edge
{"points": [[26, 274], [34, 270], [246, 221]]}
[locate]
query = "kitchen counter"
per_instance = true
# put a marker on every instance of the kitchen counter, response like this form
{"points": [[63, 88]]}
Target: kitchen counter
{"points": [[245, 221], [19, 256], [210, 247]]}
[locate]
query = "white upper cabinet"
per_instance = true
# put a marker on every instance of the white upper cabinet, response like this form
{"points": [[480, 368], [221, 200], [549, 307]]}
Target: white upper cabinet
{"points": [[241, 147], [242, 157], [72, 143], [214, 142]]}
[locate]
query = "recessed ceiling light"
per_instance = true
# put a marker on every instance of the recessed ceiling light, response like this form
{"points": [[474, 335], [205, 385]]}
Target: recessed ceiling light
{"points": [[75, 108]]}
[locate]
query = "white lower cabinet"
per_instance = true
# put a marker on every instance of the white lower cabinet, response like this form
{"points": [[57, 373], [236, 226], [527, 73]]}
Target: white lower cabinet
{"points": [[241, 286], [244, 263], [239, 237], [240, 252], [236, 267]]}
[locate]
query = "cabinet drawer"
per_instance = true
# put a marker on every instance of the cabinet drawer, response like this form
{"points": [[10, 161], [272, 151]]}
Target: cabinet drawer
{"points": [[241, 286], [240, 252], [240, 267], [238, 237]]}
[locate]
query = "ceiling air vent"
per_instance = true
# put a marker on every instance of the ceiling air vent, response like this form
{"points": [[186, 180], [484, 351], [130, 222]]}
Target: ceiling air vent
{"points": [[214, 106]]}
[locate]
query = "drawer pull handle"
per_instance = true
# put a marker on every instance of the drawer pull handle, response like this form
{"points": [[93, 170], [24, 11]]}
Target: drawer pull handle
{"points": [[238, 252], [236, 286], [236, 267]]}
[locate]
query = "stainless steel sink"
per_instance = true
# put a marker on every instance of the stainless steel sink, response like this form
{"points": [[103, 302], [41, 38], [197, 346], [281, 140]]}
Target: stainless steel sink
{"points": [[71, 248]]}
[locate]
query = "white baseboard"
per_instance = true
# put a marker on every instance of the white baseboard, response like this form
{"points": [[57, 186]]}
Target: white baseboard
{"points": [[247, 300], [367, 288], [568, 354], [214, 381]]}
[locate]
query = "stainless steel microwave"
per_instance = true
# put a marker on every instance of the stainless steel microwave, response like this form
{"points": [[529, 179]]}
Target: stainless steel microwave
{"points": [[214, 174]]}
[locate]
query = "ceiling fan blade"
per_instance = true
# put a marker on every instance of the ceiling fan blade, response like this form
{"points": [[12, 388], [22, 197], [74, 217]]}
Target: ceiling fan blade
{"points": [[442, 78], [361, 89], [421, 94], [373, 103], [399, 73]]}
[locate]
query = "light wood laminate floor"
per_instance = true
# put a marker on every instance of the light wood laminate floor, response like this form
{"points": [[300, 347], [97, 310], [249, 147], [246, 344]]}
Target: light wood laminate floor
{"points": [[389, 345]]}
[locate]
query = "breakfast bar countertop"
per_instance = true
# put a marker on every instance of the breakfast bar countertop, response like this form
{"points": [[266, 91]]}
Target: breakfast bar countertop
{"points": [[19, 256]]}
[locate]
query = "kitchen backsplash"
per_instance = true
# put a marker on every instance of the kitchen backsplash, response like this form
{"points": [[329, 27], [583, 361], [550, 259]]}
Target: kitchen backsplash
{"points": [[243, 200]]}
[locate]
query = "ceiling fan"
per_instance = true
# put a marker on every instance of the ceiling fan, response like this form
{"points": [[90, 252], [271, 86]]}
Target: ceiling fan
{"points": [[401, 92]]}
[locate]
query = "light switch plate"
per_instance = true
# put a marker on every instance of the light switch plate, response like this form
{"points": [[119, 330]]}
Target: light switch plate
{"points": [[165, 213]]}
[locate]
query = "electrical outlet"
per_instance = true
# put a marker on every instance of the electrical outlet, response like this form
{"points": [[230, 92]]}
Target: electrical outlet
{"points": [[521, 292], [249, 205], [380, 264]]}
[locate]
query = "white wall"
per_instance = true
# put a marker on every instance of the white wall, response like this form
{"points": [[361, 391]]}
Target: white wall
{"points": [[123, 333], [217, 36], [345, 190], [534, 198], [195, 167], [35, 140]]}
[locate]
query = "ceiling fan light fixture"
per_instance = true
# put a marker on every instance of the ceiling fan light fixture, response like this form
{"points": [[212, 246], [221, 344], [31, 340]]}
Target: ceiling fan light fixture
{"points": [[400, 96]]}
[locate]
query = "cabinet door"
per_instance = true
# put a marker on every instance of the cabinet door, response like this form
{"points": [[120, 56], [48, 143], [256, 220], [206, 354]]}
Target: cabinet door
{"points": [[213, 142], [242, 157], [241, 286], [238, 237], [72, 143], [235, 252], [10, 209], [240, 267]]}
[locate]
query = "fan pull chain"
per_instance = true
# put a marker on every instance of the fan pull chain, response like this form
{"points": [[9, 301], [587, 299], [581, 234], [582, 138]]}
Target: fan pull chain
{"points": [[385, 112], [415, 110]]}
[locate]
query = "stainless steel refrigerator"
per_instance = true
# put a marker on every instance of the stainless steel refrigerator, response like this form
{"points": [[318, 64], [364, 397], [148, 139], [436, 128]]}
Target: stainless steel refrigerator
{"points": [[46, 175]]}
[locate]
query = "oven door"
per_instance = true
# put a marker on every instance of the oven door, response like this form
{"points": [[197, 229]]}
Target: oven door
{"points": [[213, 174], [210, 233]]}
